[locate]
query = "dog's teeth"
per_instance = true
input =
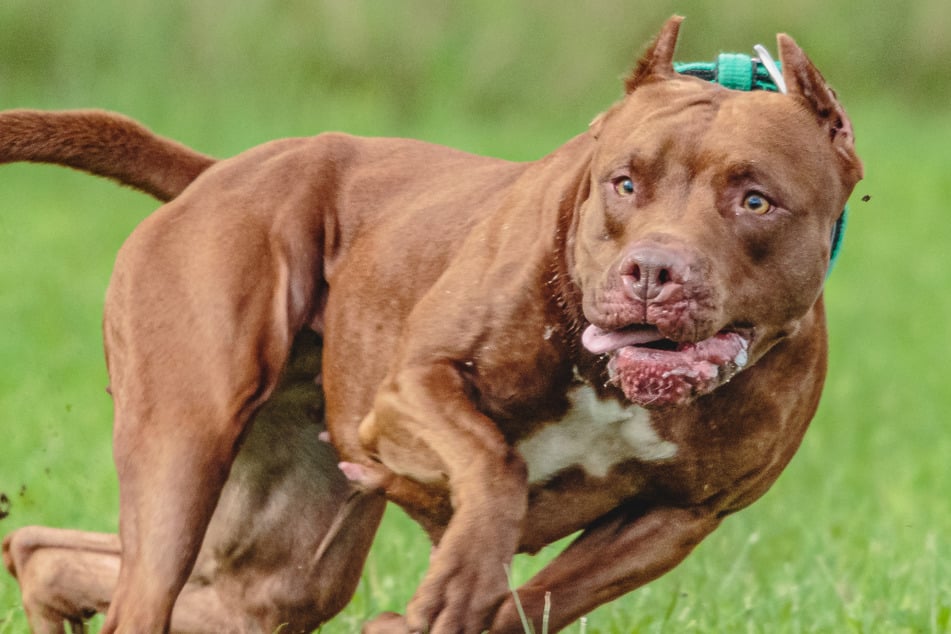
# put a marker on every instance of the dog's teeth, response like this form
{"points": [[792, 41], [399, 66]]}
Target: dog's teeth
{"points": [[741, 358]]}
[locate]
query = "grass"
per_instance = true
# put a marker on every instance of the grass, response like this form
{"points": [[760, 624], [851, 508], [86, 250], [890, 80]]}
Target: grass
{"points": [[854, 535]]}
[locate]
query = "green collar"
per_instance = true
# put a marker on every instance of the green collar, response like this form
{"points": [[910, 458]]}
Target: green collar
{"points": [[737, 71]]}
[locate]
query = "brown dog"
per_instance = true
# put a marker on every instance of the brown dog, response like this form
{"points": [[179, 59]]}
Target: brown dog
{"points": [[625, 337]]}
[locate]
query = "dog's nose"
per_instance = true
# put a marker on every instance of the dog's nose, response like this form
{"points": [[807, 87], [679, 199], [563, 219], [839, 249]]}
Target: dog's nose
{"points": [[650, 273]]}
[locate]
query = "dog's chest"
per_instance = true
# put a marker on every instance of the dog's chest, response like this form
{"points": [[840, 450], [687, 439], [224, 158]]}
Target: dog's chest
{"points": [[593, 435]]}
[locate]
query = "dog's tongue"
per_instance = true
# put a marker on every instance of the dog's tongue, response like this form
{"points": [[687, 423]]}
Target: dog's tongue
{"points": [[598, 341]]}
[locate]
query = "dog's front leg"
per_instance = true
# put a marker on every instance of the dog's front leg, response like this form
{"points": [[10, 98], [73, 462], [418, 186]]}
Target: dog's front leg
{"points": [[621, 552], [425, 428]]}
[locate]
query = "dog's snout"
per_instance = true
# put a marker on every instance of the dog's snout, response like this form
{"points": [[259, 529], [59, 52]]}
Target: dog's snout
{"points": [[648, 273]]}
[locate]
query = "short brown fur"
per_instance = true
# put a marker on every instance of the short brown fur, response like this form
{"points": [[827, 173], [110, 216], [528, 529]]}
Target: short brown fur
{"points": [[442, 317]]}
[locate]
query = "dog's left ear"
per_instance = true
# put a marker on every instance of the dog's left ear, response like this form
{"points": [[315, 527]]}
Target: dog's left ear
{"points": [[658, 62], [805, 81]]}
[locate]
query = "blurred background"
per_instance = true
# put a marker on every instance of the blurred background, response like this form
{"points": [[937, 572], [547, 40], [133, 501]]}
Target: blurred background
{"points": [[855, 535]]}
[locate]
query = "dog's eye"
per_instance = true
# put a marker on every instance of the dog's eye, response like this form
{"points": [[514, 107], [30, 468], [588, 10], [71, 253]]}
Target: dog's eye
{"points": [[623, 186], [755, 202]]}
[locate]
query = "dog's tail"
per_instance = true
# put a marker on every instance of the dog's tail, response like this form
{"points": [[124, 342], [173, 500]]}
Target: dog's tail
{"points": [[101, 143]]}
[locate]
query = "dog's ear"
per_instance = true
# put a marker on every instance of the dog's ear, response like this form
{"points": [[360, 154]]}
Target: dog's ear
{"points": [[805, 81], [658, 62]]}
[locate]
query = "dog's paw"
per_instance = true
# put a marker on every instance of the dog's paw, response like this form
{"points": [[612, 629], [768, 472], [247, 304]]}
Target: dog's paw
{"points": [[387, 623], [460, 594]]}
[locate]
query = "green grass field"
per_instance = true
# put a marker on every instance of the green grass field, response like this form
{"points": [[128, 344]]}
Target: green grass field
{"points": [[855, 535]]}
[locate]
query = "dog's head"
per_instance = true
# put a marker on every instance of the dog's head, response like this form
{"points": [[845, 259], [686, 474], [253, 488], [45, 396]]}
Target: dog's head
{"points": [[707, 232]]}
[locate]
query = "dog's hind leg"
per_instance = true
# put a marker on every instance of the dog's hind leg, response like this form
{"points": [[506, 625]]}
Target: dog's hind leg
{"points": [[287, 542], [66, 576], [283, 550], [198, 325]]}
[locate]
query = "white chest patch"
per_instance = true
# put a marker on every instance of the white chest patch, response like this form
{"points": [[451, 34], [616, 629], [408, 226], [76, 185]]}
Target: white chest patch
{"points": [[595, 435]]}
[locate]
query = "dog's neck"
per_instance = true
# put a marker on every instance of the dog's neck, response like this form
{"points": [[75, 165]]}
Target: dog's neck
{"points": [[566, 292]]}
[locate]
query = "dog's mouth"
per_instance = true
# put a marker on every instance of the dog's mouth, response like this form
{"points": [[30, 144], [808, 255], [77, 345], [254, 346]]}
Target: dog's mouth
{"points": [[656, 371]]}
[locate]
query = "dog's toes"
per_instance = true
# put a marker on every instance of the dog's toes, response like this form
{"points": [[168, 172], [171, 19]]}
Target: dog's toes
{"points": [[461, 592]]}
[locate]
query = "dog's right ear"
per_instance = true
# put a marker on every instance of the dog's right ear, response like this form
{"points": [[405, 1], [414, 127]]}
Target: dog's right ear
{"points": [[658, 62]]}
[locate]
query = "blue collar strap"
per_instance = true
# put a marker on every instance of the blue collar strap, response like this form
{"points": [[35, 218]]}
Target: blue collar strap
{"points": [[742, 72]]}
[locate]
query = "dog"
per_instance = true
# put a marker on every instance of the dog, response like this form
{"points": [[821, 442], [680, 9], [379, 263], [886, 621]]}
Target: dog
{"points": [[625, 338]]}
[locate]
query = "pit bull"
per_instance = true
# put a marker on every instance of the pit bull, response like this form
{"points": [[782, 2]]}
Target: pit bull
{"points": [[625, 338]]}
